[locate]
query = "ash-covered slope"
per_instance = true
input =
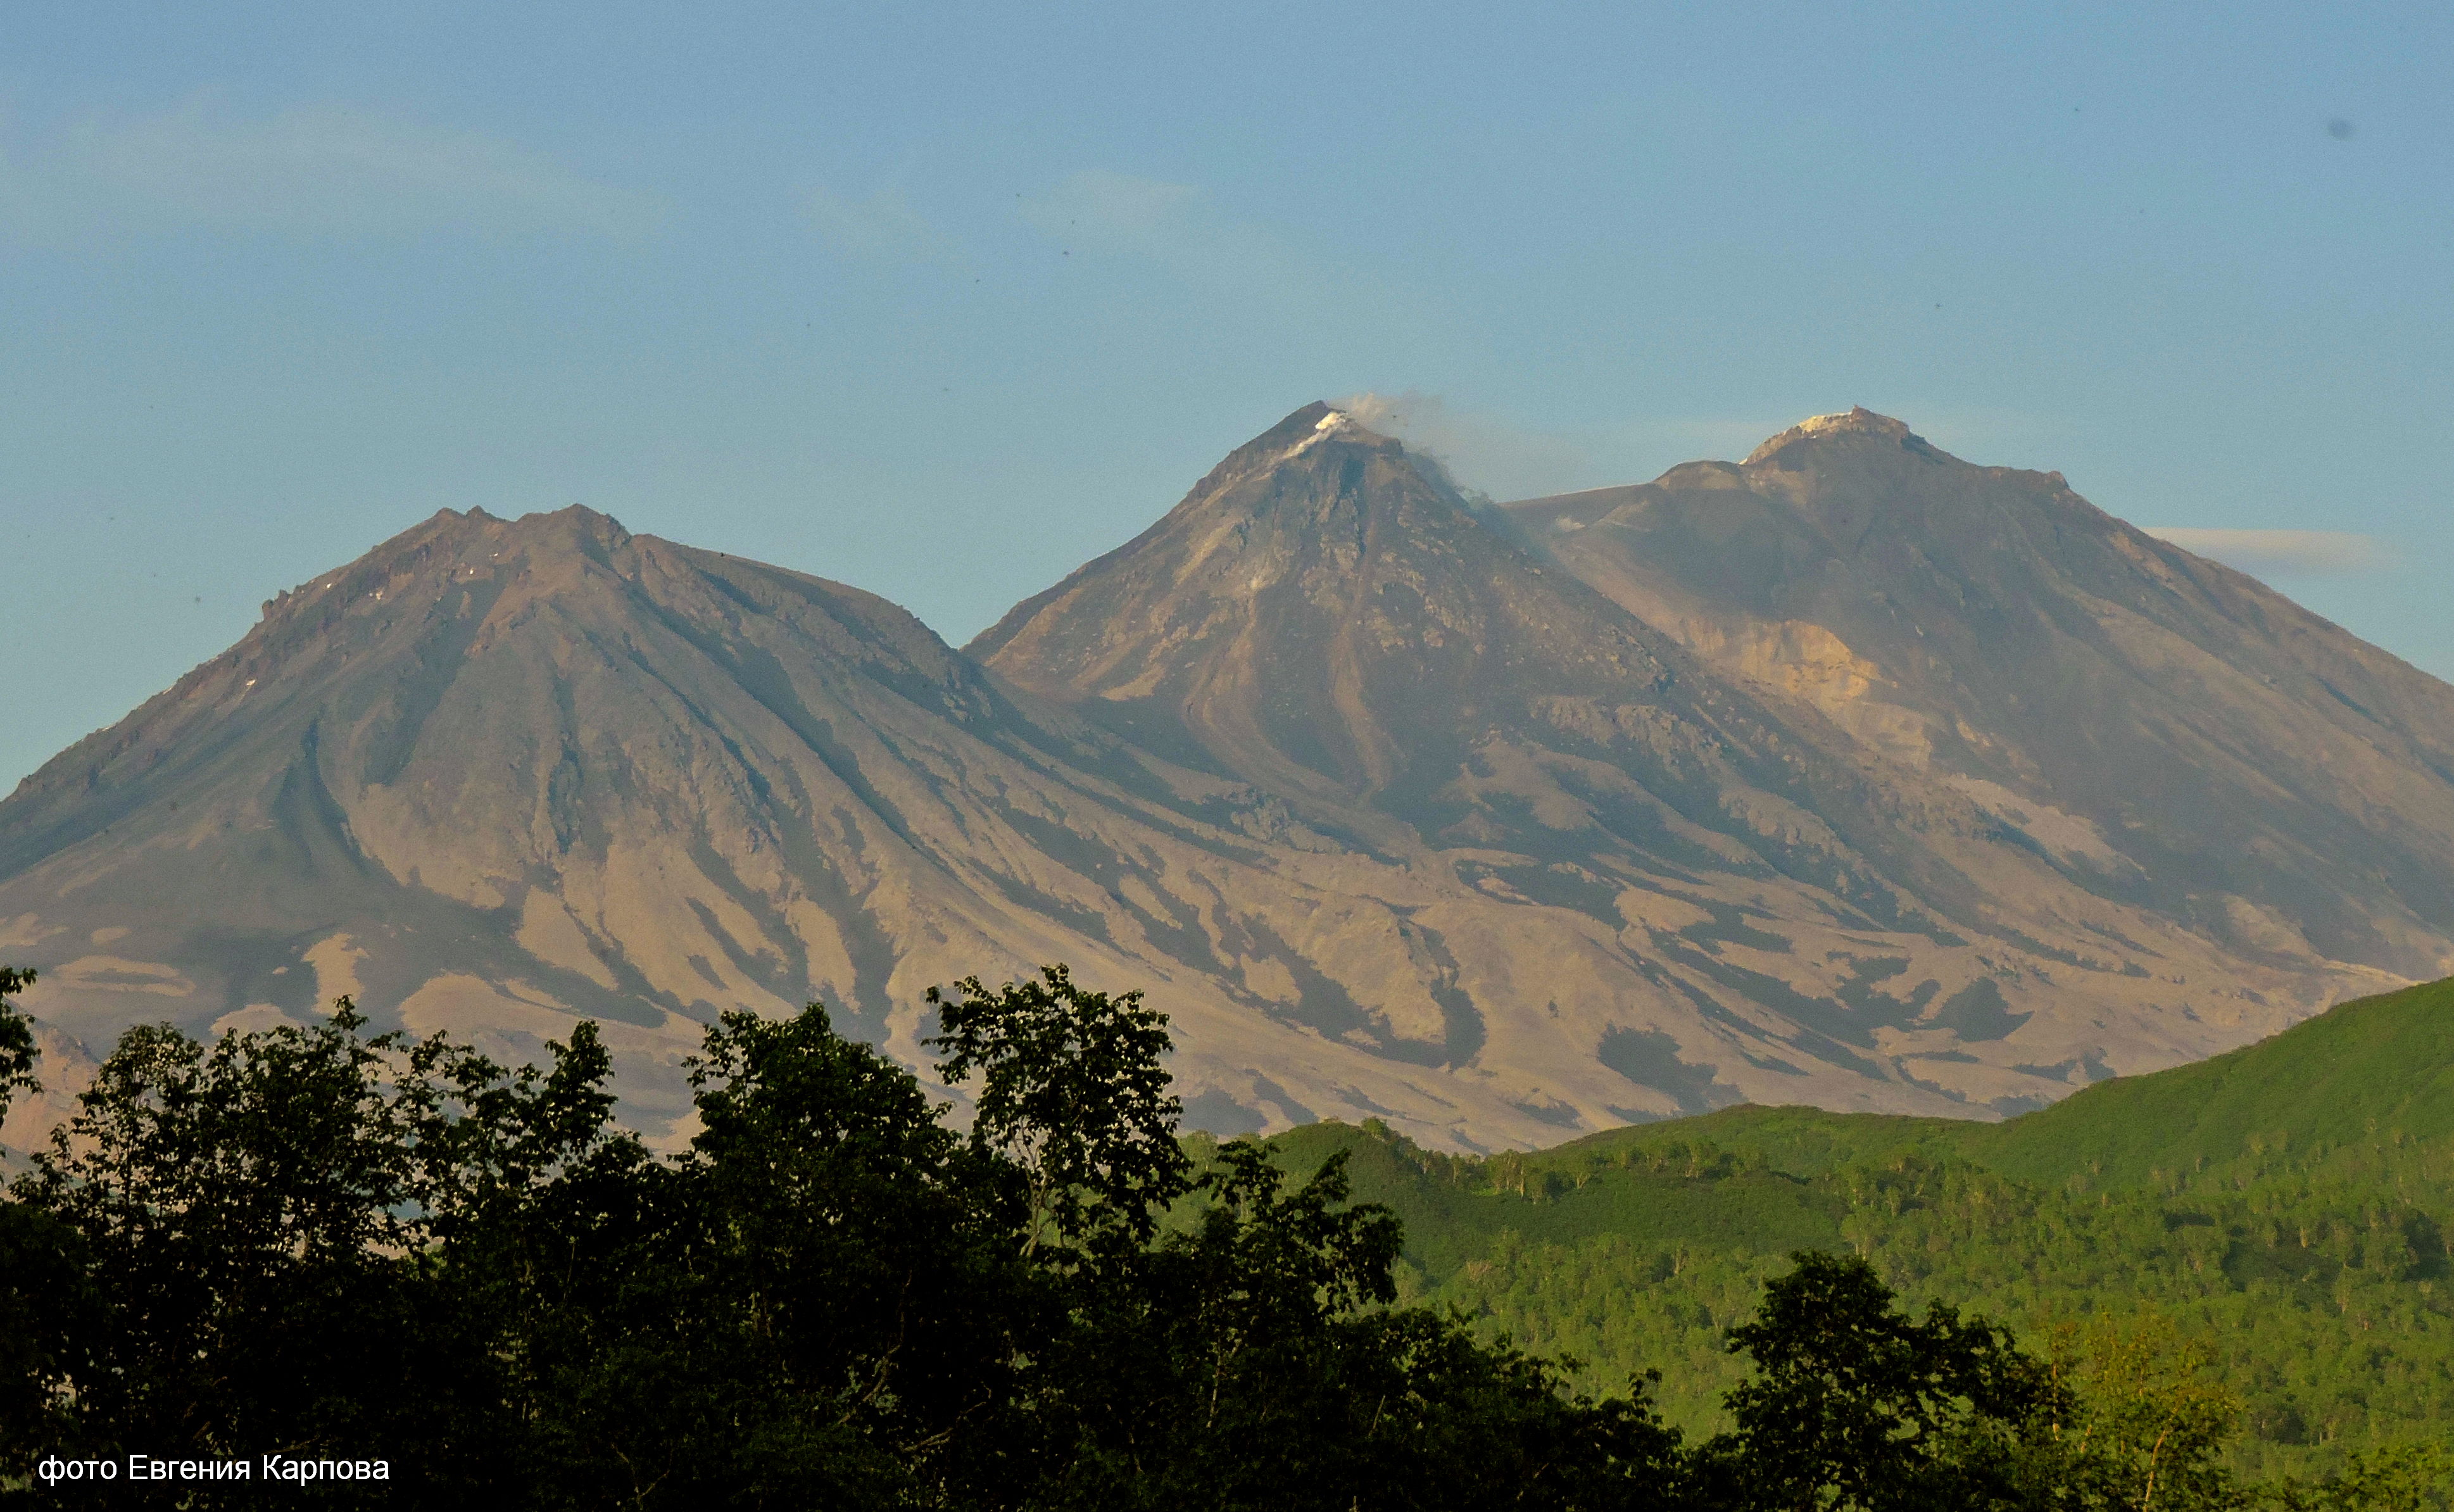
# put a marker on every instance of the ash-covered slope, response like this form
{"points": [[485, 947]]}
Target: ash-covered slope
{"points": [[490, 774], [2169, 732], [498, 773], [1325, 616], [1696, 881], [1393, 816]]}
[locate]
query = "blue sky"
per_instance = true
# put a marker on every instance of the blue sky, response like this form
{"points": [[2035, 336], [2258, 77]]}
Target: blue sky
{"points": [[942, 301]]}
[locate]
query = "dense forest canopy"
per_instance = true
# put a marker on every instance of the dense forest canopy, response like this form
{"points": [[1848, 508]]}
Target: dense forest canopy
{"points": [[314, 1245], [2288, 1203]]}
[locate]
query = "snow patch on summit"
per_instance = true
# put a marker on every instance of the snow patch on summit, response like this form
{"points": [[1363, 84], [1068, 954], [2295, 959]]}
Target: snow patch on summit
{"points": [[1857, 421], [1327, 426]]}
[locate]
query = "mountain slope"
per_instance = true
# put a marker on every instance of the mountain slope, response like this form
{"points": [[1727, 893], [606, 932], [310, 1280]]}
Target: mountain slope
{"points": [[2363, 1080], [498, 773], [1731, 889], [2366, 1086], [1393, 816], [2169, 731]]}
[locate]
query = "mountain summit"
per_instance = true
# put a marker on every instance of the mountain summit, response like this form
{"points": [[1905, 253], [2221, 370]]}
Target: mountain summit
{"points": [[2169, 731], [490, 774], [1723, 884], [1850, 775], [1858, 421], [500, 774], [1322, 612]]}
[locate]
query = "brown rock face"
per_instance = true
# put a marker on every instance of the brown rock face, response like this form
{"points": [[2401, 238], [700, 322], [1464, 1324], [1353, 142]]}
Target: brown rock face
{"points": [[1466, 819]]}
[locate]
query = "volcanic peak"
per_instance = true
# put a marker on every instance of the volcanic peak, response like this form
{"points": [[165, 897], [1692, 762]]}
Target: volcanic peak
{"points": [[1291, 439], [1858, 421]]}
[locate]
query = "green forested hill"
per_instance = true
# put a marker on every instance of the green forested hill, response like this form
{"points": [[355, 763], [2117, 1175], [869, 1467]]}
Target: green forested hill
{"points": [[2290, 1202], [2348, 1090]]}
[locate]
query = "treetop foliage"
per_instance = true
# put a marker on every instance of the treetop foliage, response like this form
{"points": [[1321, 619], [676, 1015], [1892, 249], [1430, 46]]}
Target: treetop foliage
{"points": [[317, 1242], [16, 1038], [1075, 1094]]}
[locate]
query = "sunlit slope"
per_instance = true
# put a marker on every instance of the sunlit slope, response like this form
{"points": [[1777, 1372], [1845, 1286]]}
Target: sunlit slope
{"points": [[2345, 1091], [2349, 1089], [1668, 885], [2369, 1078], [2170, 731]]}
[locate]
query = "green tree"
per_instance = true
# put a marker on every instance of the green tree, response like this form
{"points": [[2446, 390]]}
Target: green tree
{"points": [[1854, 1404], [17, 1053], [1252, 1361], [861, 1256], [313, 1241], [1073, 1093], [2408, 1478], [539, 1219], [2142, 1424], [242, 1215], [47, 1302]]}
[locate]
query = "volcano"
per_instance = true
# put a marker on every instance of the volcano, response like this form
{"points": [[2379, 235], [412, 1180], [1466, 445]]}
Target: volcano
{"points": [[2168, 730], [499, 774], [1717, 873], [1494, 823]]}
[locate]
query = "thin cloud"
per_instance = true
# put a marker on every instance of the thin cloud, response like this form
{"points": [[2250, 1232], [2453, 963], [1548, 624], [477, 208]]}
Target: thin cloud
{"points": [[1510, 460], [2309, 554], [883, 228], [1483, 452], [315, 171], [1180, 259], [1175, 226], [1120, 209], [1180, 230]]}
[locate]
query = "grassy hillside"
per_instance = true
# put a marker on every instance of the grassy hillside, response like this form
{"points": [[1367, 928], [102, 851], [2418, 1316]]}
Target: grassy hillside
{"points": [[2291, 1201], [2350, 1088]]}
